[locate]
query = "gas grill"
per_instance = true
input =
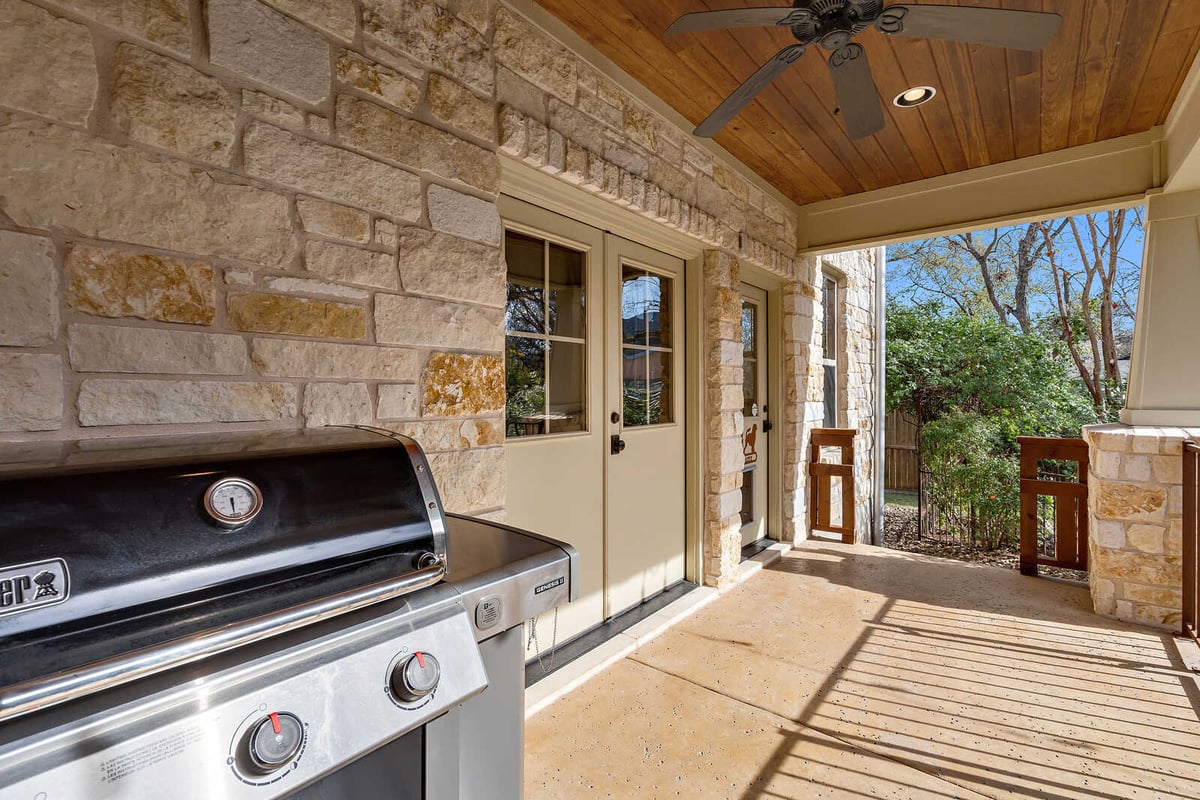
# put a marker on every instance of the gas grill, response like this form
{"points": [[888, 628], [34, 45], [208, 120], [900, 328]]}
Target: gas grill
{"points": [[261, 616]]}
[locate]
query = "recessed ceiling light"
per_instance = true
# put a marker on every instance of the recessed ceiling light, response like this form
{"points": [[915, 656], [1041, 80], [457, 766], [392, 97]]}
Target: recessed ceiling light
{"points": [[915, 96]]}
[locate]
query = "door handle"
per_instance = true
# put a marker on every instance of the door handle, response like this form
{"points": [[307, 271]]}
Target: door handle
{"points": [[616, 445], [767, 425]]}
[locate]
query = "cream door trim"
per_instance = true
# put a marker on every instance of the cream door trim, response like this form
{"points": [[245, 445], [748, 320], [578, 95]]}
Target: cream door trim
{"points": [[536, 187]]}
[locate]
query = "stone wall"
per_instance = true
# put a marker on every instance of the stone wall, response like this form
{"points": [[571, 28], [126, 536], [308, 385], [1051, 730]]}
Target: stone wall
{"points": [[254, 214], [804, 380], [1135, 510]]}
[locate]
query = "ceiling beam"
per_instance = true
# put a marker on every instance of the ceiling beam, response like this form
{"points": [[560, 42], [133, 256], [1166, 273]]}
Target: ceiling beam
{"points": [[1109, 174]]}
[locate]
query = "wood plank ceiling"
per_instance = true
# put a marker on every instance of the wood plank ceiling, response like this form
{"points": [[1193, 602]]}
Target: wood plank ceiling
{"points": [[1113, 68]]}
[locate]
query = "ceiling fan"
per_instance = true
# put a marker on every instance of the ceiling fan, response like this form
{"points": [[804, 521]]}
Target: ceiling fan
{"points": [[833, 24]]}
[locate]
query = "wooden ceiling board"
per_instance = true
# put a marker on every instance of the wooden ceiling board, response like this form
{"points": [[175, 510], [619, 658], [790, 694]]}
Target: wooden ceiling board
{"points": [[1114, 68]]}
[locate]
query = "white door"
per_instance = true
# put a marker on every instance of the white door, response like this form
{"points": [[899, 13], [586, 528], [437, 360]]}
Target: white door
{"points": [[755, 441], [644, 390], [554, 386]]}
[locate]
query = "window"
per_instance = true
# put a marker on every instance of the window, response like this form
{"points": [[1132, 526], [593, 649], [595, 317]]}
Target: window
{"points": [[750, 404], [545, 341], [829, 352], [646, 347]]}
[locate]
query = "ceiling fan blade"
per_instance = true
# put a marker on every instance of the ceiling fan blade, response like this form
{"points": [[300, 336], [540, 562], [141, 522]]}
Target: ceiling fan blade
{"points": [[742, 95], [856, 92], [738, 18], [1002, 27]]}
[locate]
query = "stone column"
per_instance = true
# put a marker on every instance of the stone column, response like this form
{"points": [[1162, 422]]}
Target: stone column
{"points": [[802, 382], [1135, 480], [723, 418], [1135, 506]]}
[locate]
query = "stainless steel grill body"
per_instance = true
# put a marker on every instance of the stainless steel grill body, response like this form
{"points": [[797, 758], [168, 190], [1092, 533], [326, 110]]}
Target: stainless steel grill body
{"points": [[349, 574]]}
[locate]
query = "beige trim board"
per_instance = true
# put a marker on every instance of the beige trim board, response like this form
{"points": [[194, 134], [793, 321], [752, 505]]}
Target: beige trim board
{"points": [[1162, 417], [1092, 177], [526, 183]]}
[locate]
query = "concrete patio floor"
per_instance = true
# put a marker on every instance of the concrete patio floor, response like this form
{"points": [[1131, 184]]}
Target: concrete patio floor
{"points": [[852, 671]]}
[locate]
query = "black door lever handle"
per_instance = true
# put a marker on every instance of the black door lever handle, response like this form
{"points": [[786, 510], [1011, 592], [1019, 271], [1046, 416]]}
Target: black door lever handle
{"points": [[616, 445]]}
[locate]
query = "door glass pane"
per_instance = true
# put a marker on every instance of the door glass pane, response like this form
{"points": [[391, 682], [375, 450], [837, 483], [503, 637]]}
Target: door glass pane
{"points": [[658, 311], [749, 359], [525, 386], [633, 387], [750, 387], [566, 292], [749, 321], [567, 387], [526, 309], [659, 402], [635, 302]]}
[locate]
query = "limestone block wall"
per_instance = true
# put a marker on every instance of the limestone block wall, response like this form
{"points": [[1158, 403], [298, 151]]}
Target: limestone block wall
{"points": [[252, 215], [804, 379], [1135, 509], [725, 423]]}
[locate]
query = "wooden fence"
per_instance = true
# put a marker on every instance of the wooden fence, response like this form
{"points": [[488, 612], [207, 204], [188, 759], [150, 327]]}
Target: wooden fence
{"points": [[821, 496], [1191, 553], [900, 452], [1054, 512]]}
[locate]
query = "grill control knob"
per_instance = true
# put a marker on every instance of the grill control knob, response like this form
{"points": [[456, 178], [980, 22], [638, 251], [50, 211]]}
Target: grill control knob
{"points": [[415, 677], [273, 742]]}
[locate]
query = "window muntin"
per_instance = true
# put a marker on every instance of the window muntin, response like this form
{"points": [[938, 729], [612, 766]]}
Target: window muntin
{"points": [[545, 342], [647, 358]]}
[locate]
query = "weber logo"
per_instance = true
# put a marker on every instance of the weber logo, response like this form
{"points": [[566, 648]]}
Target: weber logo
{"points": [[548, 585], [28, 586]]}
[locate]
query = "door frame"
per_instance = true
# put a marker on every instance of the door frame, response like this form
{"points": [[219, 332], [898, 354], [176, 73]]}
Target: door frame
{"points": [[773, 286], [523, 182]]}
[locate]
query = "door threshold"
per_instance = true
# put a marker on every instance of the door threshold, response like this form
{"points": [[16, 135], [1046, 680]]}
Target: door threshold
{"points": [[554, 660], [754, 548]]}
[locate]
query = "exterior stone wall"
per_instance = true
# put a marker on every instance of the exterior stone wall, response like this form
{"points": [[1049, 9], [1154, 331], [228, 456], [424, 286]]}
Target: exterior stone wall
{"points": [[560, 114], [273, 214], [256, 214], [1135, 511], [804, 380]]}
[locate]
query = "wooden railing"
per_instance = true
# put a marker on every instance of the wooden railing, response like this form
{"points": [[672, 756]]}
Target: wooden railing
{"points": [[820, 483], [1191, 573], [1056, 494]]}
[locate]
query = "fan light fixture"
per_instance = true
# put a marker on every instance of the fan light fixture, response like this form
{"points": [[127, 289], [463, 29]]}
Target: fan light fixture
{"points": [[914, 96], [832, 25]]}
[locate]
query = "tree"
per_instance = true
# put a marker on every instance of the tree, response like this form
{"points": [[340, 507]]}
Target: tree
{"points": [[975, 385], [1090, 293], [1069, 278]]}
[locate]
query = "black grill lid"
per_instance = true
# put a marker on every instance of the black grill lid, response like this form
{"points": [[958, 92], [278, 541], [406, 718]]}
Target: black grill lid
{"points": [[128, 526]]}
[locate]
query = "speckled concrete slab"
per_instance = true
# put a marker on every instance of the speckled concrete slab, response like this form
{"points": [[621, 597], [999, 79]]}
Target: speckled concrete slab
{"points": [[992, 682], [635, 732]]}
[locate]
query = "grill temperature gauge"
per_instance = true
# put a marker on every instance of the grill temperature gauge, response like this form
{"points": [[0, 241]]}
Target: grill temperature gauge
{"points": [[232, 502]]}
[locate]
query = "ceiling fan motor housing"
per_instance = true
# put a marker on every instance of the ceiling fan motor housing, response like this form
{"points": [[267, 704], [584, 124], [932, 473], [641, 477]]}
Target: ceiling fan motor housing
{"points": [[833, 23]]}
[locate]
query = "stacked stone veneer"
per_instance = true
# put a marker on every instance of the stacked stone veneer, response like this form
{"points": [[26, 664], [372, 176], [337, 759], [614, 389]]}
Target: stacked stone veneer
{"points": [[804, 379], [1135, 504], [259, 214], [279, 213]]}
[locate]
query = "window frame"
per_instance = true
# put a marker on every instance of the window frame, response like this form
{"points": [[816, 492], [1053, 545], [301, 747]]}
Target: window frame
{"points": [[586, 251], [831, 296]]}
